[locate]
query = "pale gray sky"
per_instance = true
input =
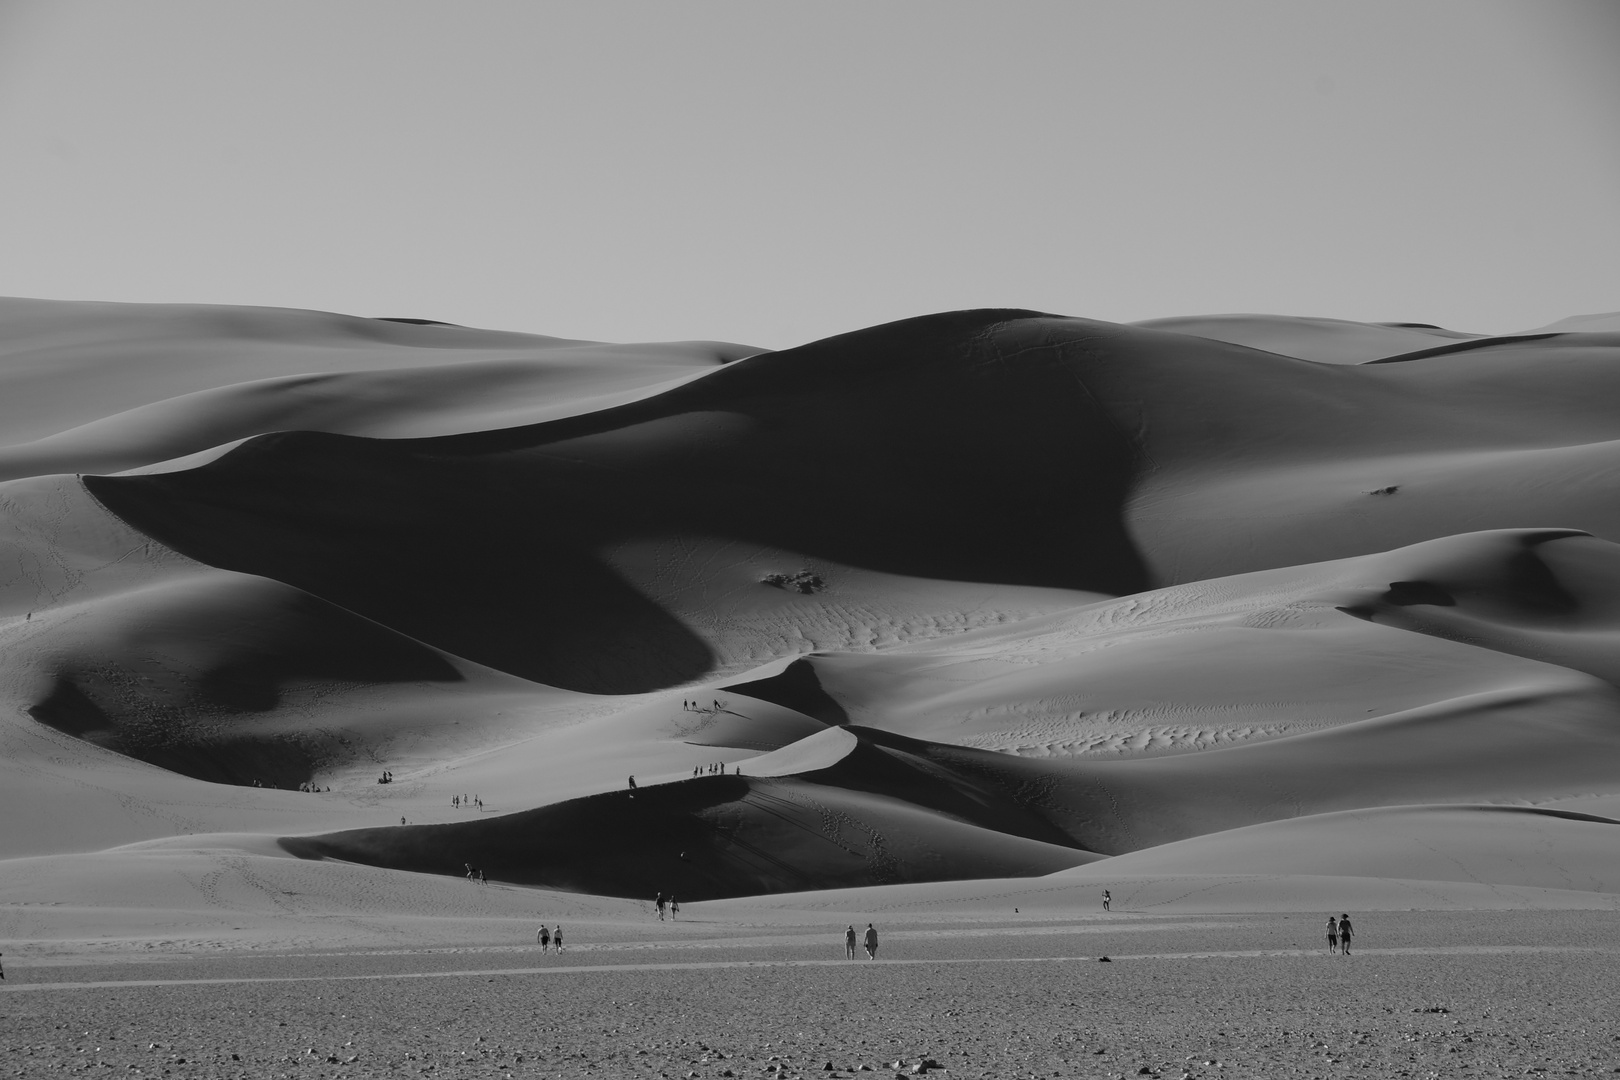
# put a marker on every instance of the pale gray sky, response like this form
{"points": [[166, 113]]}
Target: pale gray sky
{"points": [[772, 173]]}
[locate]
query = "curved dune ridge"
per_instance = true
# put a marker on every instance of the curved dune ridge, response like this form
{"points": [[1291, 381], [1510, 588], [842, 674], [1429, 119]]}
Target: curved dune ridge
{"points": [[1279, 605]]}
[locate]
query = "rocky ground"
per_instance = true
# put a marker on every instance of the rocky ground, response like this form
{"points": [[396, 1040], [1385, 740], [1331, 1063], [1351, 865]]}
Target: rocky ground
{"points": [[1425, 995]]}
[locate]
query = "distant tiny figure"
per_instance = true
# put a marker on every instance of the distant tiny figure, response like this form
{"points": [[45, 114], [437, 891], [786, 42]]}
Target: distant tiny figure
{"points": [[1333, 934], [556, 938], [871, 942], [402, 819], [632, 783], [482, 880], [674, 908], [1108, 900], [2, 970], [849, 942], [455, 801], [543, 936], [717, 705], [658, 902], [1345, 934]]}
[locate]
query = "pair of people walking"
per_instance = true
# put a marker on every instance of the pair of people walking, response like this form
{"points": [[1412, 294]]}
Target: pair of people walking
{"points": [[546, 938], [871, 942], [1339, 933]]}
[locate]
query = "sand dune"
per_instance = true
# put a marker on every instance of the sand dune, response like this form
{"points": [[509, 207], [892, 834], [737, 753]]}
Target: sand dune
{"points": [[106, 387], [1325, 341], [1252, 601], [1255, 656]]}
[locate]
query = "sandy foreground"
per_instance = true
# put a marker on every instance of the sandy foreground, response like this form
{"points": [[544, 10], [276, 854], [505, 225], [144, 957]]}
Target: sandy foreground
{"points": [[1426, 994]]}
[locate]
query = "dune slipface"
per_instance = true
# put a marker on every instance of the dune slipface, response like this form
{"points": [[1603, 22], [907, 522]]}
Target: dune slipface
{"points": [[983, 594]]}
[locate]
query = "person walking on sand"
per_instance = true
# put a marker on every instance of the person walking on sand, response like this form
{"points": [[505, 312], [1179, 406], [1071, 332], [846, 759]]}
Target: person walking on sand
{"points": [[849, 942], [871, 942], [1108, 899], [556, 938], [543, 936], [632, 783], [658, 902], [674, 908], [1345, 933], [1333, 934]]}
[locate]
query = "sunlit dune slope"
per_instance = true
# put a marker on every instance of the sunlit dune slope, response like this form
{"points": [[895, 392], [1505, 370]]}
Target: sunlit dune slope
{"points": [[88, 387], [1505, 845], [1248, 657], [1401, 858], [1325, 341]]}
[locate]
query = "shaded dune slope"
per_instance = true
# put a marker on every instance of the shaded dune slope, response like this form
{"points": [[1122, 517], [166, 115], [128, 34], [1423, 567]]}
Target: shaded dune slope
{"points": [[242, 680], [703, 838]]}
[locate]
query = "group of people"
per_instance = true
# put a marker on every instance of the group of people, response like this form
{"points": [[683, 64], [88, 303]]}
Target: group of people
{"points": [[692, 706], [661, 902], [1339, 933], [871, 942], [309, 787], [713, 768], [386, 778], [548, 938], [458, 801]]}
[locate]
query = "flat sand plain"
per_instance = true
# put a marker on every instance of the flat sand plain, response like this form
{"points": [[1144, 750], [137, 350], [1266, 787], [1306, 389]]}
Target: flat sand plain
{"points": [[1426, 994]]}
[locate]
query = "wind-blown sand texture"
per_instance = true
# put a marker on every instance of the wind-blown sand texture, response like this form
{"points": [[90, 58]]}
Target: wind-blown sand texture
{"points": [[974, 611]]}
